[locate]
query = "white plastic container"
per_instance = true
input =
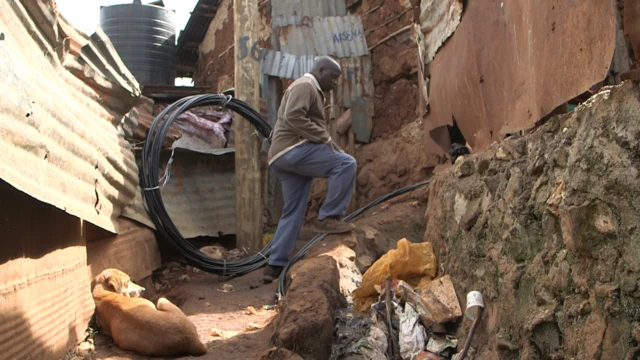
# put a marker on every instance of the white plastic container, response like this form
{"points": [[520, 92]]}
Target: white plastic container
{"points": [[474, 303]]}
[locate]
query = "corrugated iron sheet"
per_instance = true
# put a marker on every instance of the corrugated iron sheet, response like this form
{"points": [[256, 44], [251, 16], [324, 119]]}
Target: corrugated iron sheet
{"points": [[510, 63], [44, 310], [298, 12], [279, 64], [438, 20], [200, 195], [338, 36], [356, 80], [61, 111], [134, 250], [143, 115]]}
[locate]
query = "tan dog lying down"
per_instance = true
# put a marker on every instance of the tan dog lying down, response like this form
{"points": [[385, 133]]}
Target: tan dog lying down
{"points": [[137, 324]]}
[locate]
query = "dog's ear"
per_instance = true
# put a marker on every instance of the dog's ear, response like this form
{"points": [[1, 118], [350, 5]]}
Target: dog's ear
{"points": [[116, 283]]}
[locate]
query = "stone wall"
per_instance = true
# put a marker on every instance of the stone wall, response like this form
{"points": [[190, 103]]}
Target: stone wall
{"points": [[546, 227]]}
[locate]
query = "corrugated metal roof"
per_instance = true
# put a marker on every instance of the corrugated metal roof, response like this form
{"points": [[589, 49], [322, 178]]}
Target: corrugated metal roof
{"points": [[191, 37], [61, 111], [298, 12], [200, 195], [338, 36], [279, 64]]}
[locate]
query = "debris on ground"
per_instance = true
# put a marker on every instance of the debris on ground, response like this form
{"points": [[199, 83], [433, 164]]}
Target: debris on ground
{"points": [[253, 327], [224, 334], [226, 288], [441, 301], [414, 263], [251, 310], [402, 311]]}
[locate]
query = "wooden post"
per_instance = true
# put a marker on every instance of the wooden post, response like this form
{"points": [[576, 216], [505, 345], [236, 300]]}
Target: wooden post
{"points": [[247, 146]]}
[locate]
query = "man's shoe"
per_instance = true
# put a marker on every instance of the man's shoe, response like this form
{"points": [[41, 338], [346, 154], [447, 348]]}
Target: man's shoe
{"points": [[333, 226], [271, 273]]}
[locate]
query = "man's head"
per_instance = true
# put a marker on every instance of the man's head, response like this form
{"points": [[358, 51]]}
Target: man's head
{"points": [[326, 71]]}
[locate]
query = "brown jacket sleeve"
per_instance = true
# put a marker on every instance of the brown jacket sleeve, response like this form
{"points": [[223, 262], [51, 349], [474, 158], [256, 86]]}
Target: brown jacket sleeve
{"points": [[300, 99]]}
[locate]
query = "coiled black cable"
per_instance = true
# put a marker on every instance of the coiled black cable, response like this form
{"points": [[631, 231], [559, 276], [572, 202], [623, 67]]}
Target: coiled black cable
{"points": [[149, 172], [149, 177]]}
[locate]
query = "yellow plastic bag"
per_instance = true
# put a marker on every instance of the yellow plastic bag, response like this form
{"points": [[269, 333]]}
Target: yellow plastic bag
{"points": [[413, 263]]}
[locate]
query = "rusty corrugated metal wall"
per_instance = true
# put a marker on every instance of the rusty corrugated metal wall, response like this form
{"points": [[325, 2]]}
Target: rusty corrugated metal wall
{"points": [[511, 63], [64, 160], [45, 300], [199, 196], [61, 108], [338, 36]]}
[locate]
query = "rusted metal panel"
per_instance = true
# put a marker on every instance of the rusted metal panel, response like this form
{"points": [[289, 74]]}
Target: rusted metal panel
{"points": [[143, 115], [362, 123], [134, 250], [632, 25], [356, 80], [61, 111], [338, 36], [510, 63], [199, 195], [45, 298], [279, 64], [438, 20], [298, 12]]}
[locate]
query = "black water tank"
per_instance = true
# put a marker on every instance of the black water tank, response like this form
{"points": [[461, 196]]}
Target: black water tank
{"points": [[145, 38]]}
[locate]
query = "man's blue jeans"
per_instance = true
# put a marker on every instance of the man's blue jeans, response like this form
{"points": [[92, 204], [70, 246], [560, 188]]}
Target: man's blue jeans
{"points": [[296, 170]]}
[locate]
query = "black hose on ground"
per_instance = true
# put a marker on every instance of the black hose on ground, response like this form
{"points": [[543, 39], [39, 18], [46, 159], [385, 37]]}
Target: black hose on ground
{"points": [[350, 217], [149, 178]]}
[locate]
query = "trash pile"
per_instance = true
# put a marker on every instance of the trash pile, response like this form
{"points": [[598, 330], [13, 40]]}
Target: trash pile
{"points": [[402, 311]]}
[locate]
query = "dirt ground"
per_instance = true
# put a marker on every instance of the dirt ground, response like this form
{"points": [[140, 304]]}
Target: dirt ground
{"points": [[203, 299]]}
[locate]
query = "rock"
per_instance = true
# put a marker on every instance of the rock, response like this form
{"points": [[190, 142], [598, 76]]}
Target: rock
{"points": [[306, 319], [586, 227], [279, 353], [503, 155], [440, 299], [85, 347], [566, 212], [184, 278], [466, 168], [467, 211], [635, 332], [504, 343], [547, 338]]}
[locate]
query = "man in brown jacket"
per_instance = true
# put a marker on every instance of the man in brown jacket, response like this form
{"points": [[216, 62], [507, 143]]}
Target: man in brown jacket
{"points": [[301, 149]]}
